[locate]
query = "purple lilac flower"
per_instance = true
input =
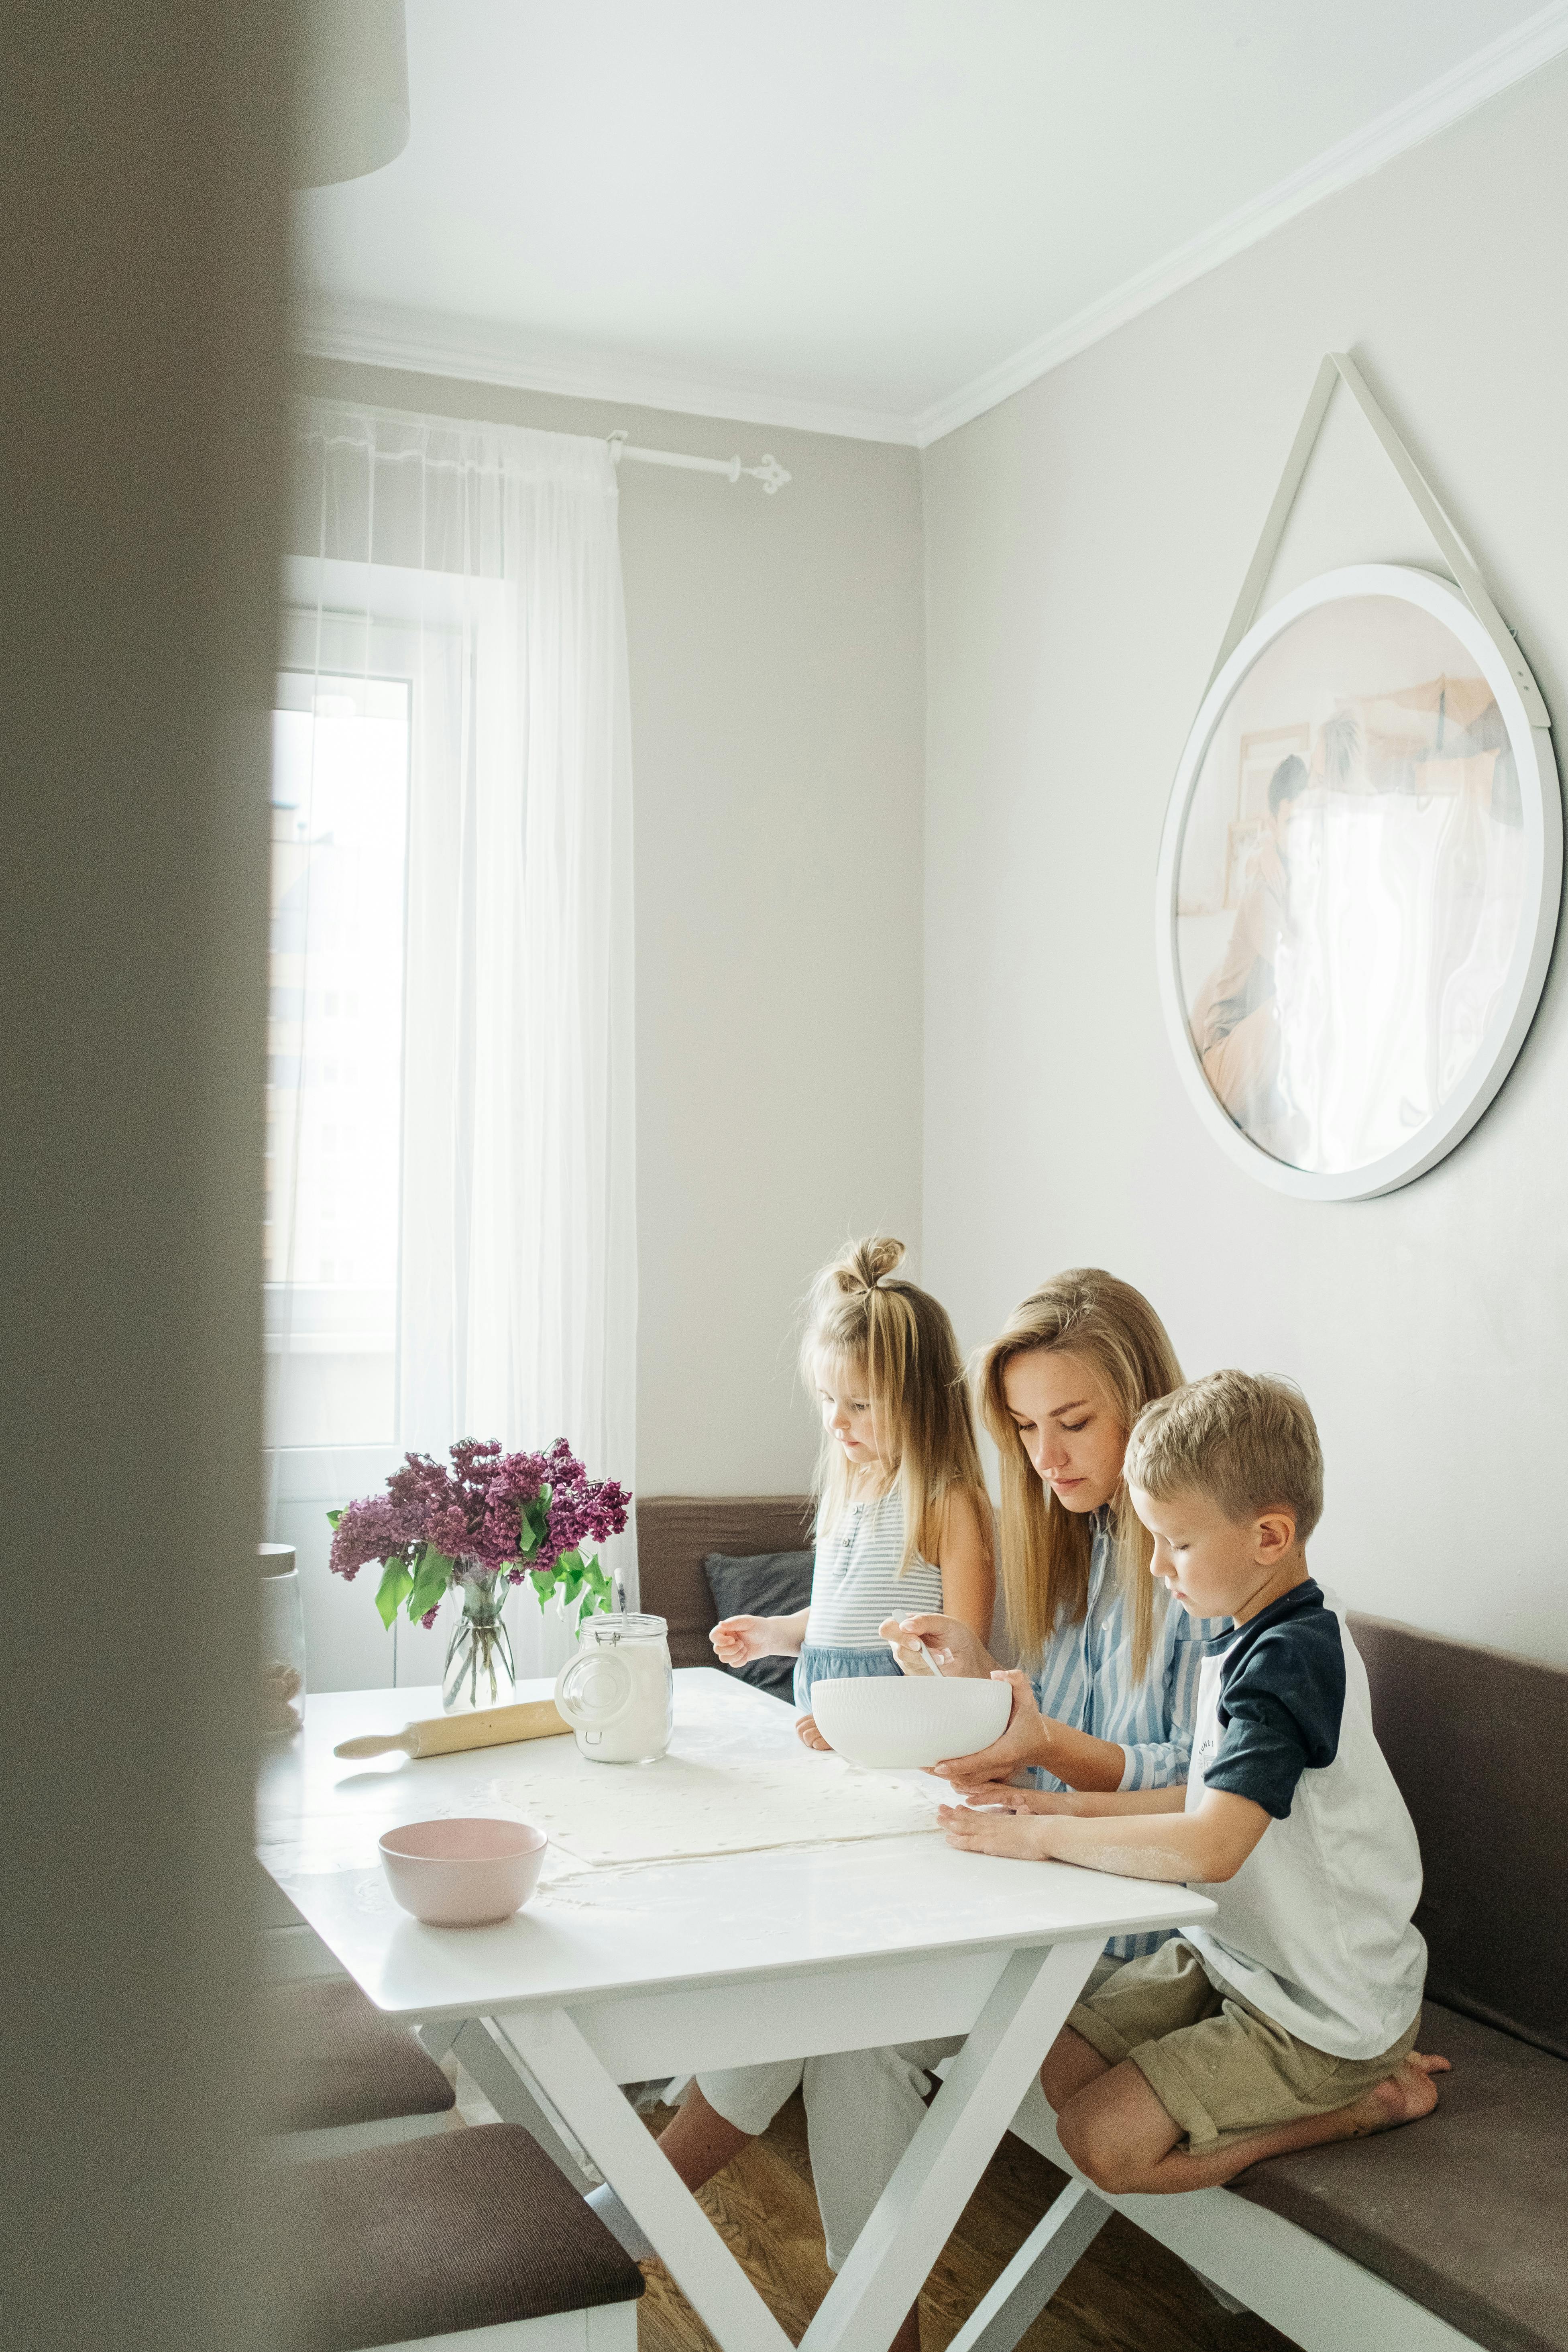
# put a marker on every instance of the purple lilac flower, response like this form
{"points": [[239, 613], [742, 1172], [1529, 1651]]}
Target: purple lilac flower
{"points": [[472, 1512]]}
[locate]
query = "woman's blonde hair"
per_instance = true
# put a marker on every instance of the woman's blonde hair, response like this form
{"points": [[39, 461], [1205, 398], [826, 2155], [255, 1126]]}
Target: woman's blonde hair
{"points": [[1046, 1548], [899, 1340]]}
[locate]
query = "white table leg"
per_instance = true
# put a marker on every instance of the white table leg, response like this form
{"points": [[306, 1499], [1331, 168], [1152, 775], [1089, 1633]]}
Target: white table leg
{"points": [[481, 2049], [892, 2257], [1035, 2272], [592, 2107]]}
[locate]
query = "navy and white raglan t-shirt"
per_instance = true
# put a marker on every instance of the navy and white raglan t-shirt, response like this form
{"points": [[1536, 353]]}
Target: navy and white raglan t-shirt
{"points": [[1315, 1928]]}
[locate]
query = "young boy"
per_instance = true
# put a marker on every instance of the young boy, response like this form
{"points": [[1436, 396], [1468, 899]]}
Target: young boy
{"points": [[1290, 2017]]}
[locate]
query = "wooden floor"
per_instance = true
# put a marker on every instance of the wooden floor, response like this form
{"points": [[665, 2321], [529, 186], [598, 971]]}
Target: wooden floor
{"points": [[1126, 2293]]}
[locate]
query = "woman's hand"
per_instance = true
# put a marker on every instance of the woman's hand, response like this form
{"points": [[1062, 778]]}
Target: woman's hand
{"points": [[739, 1640], [1002, 1797], [1013, 1835], [951, 1646], [808, 1734], [1021, 1744]]}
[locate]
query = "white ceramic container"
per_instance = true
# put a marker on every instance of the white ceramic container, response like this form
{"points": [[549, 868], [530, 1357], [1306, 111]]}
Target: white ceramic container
{"points": [[908, 1719], [619, 1692], [466, 1873]]}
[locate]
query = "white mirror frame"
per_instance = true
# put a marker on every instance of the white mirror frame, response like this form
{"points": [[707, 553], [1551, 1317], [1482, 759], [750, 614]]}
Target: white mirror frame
{"points": [[1541, 796]]}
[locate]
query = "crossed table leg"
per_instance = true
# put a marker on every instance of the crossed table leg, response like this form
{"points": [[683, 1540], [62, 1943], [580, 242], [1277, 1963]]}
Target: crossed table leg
{"points": [[918, 2210]]}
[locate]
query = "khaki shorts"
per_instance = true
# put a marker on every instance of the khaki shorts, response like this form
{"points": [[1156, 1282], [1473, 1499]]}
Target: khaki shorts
{"points": [[1217, 2066]]}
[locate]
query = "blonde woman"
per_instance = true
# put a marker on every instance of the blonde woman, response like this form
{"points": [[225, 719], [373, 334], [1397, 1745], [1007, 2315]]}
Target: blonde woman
{"points": [[1108, 1685]]}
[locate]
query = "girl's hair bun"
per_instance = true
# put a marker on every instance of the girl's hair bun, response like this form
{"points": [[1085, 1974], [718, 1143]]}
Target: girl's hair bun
{"points": [[864, 1264]]}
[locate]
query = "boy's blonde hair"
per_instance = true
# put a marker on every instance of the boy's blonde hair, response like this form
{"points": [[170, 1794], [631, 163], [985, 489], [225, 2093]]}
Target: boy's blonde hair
{"points": [[899, 1340], [1046, 1548], [1247, 1442]]}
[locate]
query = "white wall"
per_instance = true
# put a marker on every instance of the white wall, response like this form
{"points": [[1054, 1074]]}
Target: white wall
{"points": [[1086, 542], [776, 665]]}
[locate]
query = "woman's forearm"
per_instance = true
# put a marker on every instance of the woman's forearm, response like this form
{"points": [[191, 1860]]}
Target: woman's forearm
{"points": [[1096, 1806], [1079, 1759]]}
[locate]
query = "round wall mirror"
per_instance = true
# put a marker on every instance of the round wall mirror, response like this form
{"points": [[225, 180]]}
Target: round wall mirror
{"points": [[1358, 884]]}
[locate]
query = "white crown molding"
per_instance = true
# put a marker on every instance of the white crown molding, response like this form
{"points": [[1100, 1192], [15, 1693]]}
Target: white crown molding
{"points": [[379, 335], [1453, 95]]}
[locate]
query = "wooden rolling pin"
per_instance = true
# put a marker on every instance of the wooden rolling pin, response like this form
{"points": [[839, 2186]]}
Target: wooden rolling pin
{"points": [[534, 1718]]}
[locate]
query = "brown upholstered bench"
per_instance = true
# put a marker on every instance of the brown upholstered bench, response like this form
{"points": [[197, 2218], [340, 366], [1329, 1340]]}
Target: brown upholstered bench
{"points": [[338, 2075], [675, 1534], [1453, 2230], [474, 2229]]}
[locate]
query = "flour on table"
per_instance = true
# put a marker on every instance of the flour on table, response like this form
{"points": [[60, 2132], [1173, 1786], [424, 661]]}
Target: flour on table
{"points": [[700, 1800]]}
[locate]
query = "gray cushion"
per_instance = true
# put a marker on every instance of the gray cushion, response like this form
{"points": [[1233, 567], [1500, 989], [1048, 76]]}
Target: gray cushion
{"points": [[463, 2229], [1467, 2211], [333, 2058], [770, 1584], [1465, 1730], [675, 1534]]}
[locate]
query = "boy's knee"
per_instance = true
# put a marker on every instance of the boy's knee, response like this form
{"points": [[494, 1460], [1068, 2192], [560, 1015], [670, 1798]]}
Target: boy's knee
{"points": [[1091, 2139]]}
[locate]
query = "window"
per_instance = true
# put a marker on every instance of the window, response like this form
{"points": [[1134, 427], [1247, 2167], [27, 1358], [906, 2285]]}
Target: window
{"points": [[335, 1056]]}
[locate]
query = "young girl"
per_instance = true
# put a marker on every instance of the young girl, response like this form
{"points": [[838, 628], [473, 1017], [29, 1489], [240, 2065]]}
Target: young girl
{"points": [[903, 1520], [903, 1525]]}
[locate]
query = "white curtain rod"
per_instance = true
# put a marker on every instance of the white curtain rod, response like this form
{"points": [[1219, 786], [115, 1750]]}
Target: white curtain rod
{"points": [[770, 473]]}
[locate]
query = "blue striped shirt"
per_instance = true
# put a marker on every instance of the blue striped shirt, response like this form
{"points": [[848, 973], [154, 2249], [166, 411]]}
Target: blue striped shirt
{"points": [[1085, 1680]]}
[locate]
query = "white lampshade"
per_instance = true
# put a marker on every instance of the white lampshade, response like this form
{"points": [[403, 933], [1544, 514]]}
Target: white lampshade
{"points": [[352, 109]]}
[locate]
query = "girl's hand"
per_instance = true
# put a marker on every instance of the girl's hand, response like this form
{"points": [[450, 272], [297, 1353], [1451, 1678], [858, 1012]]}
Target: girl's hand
{"points": [[1011, 1834], [739, 1640], [1023, 1743], [951, 1646], [806, 1731]]}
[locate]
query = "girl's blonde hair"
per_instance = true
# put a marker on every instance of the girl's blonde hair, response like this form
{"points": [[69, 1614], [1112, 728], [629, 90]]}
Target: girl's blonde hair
{"points": [[900, 1342], [1046, 1548]]}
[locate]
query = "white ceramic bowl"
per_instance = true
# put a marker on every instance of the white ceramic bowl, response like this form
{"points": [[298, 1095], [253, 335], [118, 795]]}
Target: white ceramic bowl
{"points": [[909, 1719], [465, 1872]]}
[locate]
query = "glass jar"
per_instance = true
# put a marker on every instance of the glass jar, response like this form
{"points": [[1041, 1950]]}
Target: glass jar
{"points": [[282, 1642], [619, 1692], [479, 1671]]}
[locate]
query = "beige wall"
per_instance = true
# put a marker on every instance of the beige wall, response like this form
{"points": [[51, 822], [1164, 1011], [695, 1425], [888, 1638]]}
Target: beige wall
{"points": [[776, 648], [143, 268], [1085, 544]]}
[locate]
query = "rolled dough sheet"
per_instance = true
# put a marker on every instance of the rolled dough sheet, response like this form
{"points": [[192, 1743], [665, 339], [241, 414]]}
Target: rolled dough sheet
{"points": [[701, 1799], [681, 1809]]}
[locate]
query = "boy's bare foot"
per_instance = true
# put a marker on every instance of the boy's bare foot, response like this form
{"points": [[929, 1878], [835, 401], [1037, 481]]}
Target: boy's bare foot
{"points": [[1404, 2098]]}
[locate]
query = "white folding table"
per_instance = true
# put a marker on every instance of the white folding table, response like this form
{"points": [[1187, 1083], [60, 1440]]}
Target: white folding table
{"points": [[623, 1974]]}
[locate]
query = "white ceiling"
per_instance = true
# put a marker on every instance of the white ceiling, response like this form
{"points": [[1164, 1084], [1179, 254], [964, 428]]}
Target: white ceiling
{"points": [[871, 216]]}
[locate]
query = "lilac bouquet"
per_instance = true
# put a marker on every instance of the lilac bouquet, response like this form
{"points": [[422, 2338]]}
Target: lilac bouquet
{"points": [[528, 1514]]}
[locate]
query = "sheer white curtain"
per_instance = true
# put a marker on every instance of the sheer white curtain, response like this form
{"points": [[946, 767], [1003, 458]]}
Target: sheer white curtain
{"points": [[452, 1213]]}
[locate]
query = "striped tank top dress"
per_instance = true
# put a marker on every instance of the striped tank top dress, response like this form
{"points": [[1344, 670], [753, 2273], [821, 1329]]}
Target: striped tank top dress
{"points": [[855, 1586]]}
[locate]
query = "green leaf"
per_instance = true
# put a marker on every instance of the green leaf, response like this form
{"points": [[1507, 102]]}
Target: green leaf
{"points": [[332, 1517], [543, 1582], [395, 1581], [532, 1520], [430, 1582]]}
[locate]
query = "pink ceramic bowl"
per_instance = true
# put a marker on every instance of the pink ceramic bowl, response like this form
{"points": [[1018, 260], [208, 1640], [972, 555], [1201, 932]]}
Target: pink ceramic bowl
{"points": [[463, 1873]]}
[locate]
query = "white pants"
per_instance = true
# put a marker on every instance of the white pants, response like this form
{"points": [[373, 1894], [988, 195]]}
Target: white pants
{"points": [[862, 2109]]}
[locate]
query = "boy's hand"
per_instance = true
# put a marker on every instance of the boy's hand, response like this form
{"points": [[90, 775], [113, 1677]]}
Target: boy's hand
{"points": [[805, 1729], [1013, 1835], [1021, 1744], [739, 1640]]}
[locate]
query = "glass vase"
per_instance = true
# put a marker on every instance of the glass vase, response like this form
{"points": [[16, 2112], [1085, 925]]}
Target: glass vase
{"points": [[478, 1671]]}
